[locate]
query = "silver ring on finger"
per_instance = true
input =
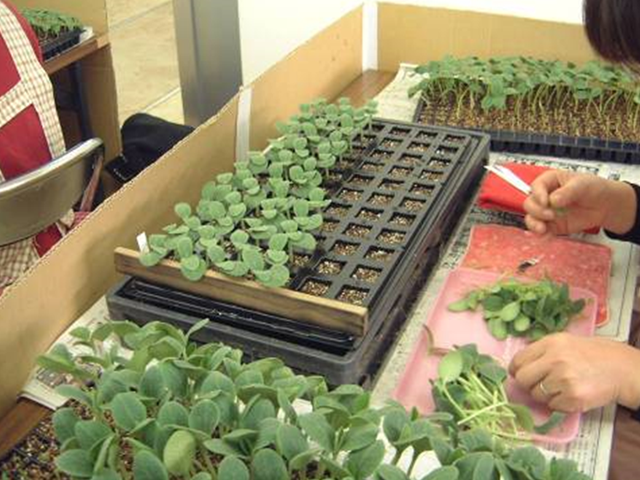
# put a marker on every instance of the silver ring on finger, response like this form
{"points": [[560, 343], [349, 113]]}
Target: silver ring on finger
{"points": [[543, 389]]}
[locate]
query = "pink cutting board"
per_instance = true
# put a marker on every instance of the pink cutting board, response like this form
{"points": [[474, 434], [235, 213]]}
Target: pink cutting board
{"points": [[451, 329]]}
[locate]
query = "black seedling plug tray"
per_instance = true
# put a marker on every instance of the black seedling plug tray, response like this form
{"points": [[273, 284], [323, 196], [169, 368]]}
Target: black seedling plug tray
{"points": [[60, 44], [596, 149], [395, 201]]}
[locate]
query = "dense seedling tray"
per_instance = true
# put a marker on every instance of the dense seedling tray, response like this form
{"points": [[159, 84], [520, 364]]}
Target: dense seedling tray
{"points": [[395, 200], [555, 145], [60, 44]]}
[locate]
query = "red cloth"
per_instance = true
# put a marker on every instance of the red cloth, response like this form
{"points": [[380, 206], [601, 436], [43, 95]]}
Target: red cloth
{"points": [[497, 194], [23, 145]]}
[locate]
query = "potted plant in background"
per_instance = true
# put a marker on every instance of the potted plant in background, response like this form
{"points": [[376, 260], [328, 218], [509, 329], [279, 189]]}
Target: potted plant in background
{"points": [[56, 31]]}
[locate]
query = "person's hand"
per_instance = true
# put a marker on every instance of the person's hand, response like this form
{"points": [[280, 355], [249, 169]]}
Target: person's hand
{"points": [[576, 374], [564, 202]]}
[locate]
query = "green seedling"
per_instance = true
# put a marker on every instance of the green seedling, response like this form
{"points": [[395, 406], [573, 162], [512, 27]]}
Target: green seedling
{"points": [[180, 409], [277, 193], [531, 87], [48, 24]]}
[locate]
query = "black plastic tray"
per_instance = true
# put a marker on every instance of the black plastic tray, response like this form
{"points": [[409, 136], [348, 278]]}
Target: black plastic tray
{"points": [[555, 145], [60, 44], [341, 358]]}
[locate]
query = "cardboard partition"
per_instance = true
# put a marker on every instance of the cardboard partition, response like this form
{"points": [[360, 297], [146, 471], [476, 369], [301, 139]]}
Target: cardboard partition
{"points": [[102, 98], [80, 269], [412, 34]]}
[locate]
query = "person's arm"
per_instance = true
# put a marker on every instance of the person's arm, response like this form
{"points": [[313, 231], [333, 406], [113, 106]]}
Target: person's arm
{"points": [[576, 374], [621, 231]]}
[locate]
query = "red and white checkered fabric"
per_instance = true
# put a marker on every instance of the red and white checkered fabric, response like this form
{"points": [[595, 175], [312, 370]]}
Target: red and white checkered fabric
{"points": [[33, 89]]}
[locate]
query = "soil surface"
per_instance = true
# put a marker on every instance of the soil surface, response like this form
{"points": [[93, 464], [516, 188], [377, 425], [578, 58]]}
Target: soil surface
{"points": [[358, 231], [365, 274], [369, 215], [403, 220], [379, 254], [327, 267], [391, 237], [412, 205], [379, 199], [354, 296], [343, 248], [313, 287]]}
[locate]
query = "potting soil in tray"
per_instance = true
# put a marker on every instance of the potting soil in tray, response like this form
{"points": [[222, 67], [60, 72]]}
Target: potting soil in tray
{"points": [[33, 458], [537, 139], [394, 203]]}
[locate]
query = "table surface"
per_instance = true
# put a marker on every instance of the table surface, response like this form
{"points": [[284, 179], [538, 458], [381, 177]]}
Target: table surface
{"points": [[27, 414]]}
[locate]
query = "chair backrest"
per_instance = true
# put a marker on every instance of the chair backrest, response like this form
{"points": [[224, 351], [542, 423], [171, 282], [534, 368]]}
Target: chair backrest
{"points": [[35, 200]]}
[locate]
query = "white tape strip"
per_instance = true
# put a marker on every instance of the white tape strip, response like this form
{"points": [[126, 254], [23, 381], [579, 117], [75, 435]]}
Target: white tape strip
{"points": [[243, 124], [370, 35]]}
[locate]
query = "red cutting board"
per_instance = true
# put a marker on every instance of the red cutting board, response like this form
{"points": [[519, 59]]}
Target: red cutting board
{"points": [[451, 329], [500, 249]]}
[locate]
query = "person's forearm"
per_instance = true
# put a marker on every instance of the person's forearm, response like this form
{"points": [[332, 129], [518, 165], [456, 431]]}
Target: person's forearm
{"points": [[629, 395], [621, 211]]}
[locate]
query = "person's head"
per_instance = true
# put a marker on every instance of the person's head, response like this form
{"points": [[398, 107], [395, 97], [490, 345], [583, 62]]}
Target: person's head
{"points": [[613, 28]]}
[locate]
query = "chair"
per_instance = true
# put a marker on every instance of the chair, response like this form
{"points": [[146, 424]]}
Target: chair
{"points": [[33, 201]]}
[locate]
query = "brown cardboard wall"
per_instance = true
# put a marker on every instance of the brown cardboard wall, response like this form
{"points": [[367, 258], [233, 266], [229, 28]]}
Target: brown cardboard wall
{"points": [[80, 269], [322, 67], [101, 94], [90, 12], [414, 34]]}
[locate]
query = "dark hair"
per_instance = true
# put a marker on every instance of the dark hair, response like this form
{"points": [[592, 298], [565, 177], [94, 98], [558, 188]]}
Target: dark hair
{"points": [[613, 28]]}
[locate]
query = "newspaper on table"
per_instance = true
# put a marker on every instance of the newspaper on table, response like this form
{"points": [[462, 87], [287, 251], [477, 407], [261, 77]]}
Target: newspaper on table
{"points": [[592, 448], [42, 383]]}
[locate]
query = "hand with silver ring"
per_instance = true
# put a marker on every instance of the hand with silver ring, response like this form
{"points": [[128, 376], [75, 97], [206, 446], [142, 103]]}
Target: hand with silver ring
{"points": [[573, 374]]}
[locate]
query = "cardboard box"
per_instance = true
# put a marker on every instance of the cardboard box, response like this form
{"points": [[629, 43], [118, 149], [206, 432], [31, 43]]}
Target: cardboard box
{"points": [[80, 268]]}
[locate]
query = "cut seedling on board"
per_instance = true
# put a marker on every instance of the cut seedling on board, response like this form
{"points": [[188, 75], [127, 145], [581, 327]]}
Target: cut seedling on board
{"points": [[470, 386]]}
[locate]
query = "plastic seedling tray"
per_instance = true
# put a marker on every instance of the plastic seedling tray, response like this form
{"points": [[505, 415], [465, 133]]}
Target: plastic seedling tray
{"points": [[556, 145], [451, 329], [401, 196], [60, 44]]}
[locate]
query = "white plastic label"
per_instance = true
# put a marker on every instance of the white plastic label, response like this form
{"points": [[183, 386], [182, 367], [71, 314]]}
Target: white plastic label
{"points": [[143, 244]]}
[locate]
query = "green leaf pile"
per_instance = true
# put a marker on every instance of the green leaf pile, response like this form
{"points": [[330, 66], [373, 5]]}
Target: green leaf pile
{"points": [[523, 309]]}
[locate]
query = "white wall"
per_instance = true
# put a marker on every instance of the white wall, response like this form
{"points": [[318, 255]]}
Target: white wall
{"points": [[271, 29], [554, 10]]}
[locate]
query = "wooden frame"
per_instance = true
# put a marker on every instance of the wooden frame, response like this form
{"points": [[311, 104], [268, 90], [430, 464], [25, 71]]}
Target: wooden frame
{"points": [[279, 301]]}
